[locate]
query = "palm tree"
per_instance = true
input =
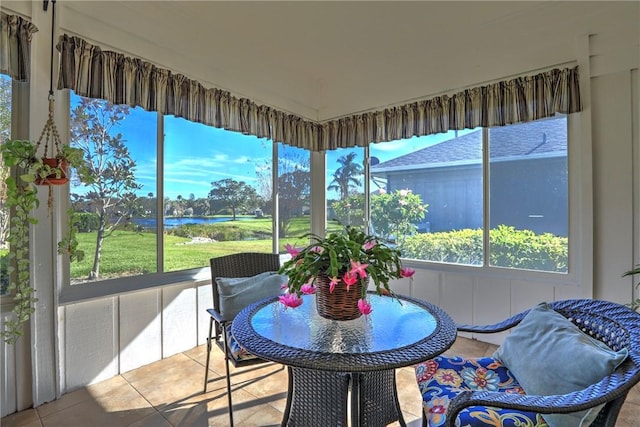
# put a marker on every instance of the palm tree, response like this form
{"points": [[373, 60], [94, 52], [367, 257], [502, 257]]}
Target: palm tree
{"points": [[345, 177]]}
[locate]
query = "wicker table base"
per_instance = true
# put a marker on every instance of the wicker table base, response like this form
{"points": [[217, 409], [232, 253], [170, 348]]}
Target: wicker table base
{"points": [[320, 398], [327, 358]]}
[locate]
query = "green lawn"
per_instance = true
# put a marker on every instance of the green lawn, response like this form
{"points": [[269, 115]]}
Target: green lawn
{"points": [[130, 253]]}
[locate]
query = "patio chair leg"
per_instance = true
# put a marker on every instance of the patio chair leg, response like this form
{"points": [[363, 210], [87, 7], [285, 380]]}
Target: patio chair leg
{"points": [[206, 369], [226, 362]]}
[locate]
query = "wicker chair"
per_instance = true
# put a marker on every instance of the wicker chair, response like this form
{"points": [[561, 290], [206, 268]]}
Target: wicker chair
{"points": [[613, 324], [244, 264]]}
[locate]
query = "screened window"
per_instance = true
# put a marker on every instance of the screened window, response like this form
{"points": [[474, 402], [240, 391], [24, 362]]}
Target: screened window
{"points": [[345, 180], [5, 134], [429, 196], [169, 205]]}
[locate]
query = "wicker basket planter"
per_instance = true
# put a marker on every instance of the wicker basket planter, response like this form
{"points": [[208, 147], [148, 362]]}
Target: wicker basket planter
{"points": [[339, 304]]}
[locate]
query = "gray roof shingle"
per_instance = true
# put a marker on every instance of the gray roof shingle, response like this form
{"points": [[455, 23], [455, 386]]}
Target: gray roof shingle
{"points": [[540, 138]]}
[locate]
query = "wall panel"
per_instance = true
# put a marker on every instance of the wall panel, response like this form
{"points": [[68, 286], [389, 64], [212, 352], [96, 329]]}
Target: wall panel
{"points": [[140, 329], [91, 331]]}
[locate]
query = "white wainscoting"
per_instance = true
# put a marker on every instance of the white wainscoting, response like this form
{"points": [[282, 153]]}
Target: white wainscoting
{"points": [[108, 336], [15, 377]]}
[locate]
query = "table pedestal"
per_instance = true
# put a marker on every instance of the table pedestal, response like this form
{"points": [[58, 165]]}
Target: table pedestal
{"points": [[320, 398]]}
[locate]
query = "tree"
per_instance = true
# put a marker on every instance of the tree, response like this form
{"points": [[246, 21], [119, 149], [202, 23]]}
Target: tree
{"points": [[5, 134], [394, 216], [112, 193], [345, 178], [294, 189], [235, 195]]}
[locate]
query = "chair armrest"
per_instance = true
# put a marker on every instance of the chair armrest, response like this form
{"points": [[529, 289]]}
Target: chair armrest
{"points": [[217, 316], [609, 388], [496, 327]]}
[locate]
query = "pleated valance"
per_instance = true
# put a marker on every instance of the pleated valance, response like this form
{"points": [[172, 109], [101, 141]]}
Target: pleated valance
{"points": [[94, 73], [15, 46]]}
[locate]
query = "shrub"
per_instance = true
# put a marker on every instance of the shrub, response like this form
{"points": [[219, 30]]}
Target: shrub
{"points": [[86, 221], [509, 248]]}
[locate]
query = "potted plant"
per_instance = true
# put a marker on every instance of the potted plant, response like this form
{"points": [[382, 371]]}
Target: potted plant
{"points": [[341, 265], [21, 197]]}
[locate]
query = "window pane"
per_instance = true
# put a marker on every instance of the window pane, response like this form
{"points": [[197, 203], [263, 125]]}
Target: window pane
{"points": [[345, 187], [294, 195], [529, 195], [217, 195], [427, 196], [112, 213], [5, 134]]}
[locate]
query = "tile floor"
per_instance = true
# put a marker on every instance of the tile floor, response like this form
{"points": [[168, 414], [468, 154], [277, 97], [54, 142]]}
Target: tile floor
{"points": [[169, 393]]}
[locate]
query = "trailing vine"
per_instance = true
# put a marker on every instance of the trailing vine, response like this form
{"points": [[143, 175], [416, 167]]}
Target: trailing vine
{"points": [[22, 200]]}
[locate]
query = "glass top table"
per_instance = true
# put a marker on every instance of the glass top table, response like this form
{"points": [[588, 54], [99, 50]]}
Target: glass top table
{"points": [[327, 356]]}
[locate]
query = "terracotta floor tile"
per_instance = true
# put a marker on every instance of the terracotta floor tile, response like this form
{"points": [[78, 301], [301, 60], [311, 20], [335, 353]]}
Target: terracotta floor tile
{"points": [[168, 393], [154, 420], [27, 418], [66, 401]]}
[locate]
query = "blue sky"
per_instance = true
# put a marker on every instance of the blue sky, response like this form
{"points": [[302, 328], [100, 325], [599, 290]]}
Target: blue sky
{"points": [[196, 155]]}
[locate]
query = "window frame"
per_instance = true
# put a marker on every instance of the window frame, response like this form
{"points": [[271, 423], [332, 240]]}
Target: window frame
{"points": [[580, 233], [580, 214]]}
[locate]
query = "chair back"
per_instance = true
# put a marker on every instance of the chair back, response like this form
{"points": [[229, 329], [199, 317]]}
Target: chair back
{"points": [[618, 327], [243, 264]]}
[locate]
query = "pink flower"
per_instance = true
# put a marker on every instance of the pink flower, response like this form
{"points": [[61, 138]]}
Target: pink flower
{"points": [[364, 306], [333, 283], [403, 193], [317, 249], [290, 300], [407, 272], [349, 279], [294, 252], [359, 269], [369, 245], [308, 289]]}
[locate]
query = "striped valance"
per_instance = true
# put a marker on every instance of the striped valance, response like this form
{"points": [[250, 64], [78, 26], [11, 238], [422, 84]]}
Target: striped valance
{"points": [[15, 46], [94, 73]]}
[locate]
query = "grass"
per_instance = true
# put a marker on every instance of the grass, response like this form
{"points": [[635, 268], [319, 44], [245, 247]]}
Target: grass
{"points": [[126, 253]]}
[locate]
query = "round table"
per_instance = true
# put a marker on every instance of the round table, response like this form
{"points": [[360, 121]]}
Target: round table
{"points": [[326, 357]]}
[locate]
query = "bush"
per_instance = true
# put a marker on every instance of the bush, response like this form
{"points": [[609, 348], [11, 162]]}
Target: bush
{"points": [[4, 271], [86, 221], [214, 231], [509, 248]]}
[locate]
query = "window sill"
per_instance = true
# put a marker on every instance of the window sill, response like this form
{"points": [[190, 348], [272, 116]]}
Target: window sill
{"points": [[72, 294]]}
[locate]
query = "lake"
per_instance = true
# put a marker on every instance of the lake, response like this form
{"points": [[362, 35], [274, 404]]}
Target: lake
{"points": [[178, 221]]}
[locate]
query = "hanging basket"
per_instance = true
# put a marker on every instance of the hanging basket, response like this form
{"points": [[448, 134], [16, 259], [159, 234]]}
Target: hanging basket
{"points": [[54, 179], [339, 304]]}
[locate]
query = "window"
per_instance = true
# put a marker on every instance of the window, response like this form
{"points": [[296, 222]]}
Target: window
{"points": [[170, 205], [215, 196], [5, 133], [345, 187], [294, 195], [429, 195]]}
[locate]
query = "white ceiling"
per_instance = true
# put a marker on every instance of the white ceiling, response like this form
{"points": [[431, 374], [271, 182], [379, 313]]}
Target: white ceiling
{"points": [[328, 59]]}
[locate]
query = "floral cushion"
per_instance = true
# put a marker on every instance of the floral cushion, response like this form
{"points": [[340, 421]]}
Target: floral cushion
{"points": [[237, 352], [442, 378]]}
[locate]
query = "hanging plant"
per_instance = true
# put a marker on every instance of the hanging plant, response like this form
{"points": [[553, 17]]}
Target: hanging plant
{"points": [[22, 198]]}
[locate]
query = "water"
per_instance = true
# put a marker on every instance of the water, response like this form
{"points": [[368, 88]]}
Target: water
{"points": [[174, 222]]}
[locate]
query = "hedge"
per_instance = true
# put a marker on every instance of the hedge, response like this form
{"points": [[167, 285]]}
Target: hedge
{"points": [[512, 248]]}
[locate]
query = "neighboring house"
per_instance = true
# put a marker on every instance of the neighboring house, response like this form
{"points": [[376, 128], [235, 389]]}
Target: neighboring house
{"points": [[528, 162]]}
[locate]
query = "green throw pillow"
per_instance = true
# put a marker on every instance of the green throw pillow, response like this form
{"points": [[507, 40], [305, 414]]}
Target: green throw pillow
{"points": [[238, 292], [549, 355]]}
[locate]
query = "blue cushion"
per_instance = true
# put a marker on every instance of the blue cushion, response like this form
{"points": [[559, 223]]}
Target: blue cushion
{"points": [[549, 355], [238, 292]]}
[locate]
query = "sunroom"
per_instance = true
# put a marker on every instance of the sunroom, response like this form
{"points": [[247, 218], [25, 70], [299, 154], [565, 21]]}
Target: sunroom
{"points": [[315, 113]]}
